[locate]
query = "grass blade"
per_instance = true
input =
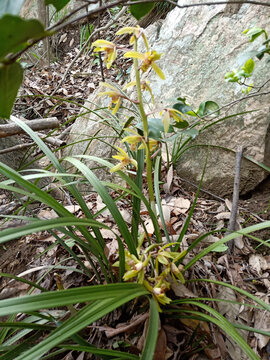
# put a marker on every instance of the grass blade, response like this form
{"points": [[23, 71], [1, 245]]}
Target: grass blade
{"points": [[108, 201], [223, 323], [82, 318], [152, 332], [52, 299], [227, 238], [111, 354]]}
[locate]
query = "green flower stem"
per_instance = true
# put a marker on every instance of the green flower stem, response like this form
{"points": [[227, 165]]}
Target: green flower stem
{"points": [[145, 133]]}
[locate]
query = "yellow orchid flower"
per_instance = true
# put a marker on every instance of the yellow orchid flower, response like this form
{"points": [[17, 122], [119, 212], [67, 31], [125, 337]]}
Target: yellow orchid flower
{"points": [[166, 120], [168, 114], [114, 94], [133, 140], [148, 59], [109, 48], [153, 144], [158, 292], [136, 31], [138, 269], [124, 159], [176, 114], [145, 86]]}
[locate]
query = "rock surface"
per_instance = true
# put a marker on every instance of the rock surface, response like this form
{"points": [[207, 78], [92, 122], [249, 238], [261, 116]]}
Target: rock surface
{"points": [[13, 159], [94, 133], [200, 44]]}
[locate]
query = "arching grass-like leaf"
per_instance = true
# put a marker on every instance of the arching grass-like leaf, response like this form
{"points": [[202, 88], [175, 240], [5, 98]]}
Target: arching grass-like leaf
{"points": [[48, 300], [110, 354], [221, 322], [152, 332], [227, 238], [84, 317], [72, 188], [100, 189]]}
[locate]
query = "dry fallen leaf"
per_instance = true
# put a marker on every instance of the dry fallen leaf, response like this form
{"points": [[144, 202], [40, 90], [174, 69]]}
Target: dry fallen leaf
{"points": [[47, 214], [161, 346], [181, 205], [72, 208], [149, 227], [168, 184], [166, 210], [223, 215], [258, 263], [180, 290]]}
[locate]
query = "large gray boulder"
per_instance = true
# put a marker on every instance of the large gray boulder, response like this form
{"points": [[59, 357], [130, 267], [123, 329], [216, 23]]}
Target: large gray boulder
{"points": [[200, 44]]}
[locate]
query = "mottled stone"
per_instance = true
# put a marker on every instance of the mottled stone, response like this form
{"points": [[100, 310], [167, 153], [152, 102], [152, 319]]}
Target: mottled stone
{"points": [[200, 44]]}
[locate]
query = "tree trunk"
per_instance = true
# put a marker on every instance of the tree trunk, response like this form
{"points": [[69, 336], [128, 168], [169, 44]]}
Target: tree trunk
{"points": [[43, 15]]}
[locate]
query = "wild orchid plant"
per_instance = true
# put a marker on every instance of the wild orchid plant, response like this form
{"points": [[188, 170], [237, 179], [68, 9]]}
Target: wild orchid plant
{"points": [[136, 266]]}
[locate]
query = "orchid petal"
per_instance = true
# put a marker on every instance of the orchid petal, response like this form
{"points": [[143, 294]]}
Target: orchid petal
{"points": [[132, 83], [117, 106], [126, 30], [134, 162], [158, 70], [103, 43], [107, 93], [166, 121], [117, 167], [145, 41], [108, 85], [134, 54]]}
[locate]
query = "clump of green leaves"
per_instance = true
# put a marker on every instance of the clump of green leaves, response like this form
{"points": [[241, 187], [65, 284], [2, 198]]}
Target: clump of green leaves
{"points": [[241, 75]]}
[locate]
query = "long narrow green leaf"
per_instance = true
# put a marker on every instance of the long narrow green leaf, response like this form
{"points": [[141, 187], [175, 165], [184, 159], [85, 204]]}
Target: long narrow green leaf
{"points": [[251, 329], [197, 241], [17, 278], [241, 291], [13, 351], [72, 188], [101, 190], [158, 199], [48, 300], [92, 350], [223, 323], [41, 225], [23, 325], [179, 301], [227, 238], [152, 332], [136, 206], [83, 318], [187, 221], [134, 187], [42, 196], [259, 164]]}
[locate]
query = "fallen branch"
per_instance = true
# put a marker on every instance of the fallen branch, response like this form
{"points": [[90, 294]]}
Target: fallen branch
{"points": [[16, 148], [111, 332], [55, 141], [50, 140], [36, 125]]}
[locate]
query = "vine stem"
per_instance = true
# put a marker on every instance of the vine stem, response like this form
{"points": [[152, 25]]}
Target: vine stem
{"points": [[145, 133]]}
